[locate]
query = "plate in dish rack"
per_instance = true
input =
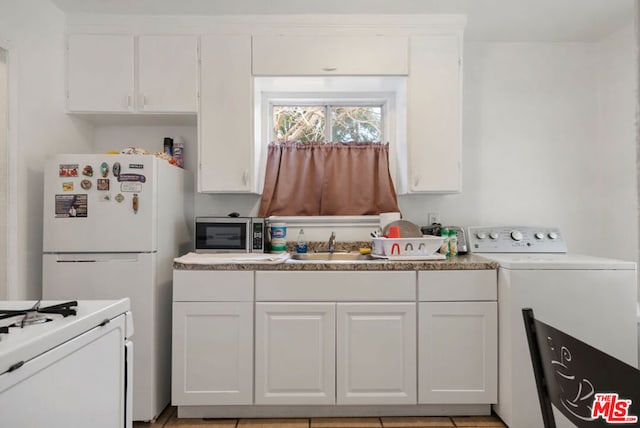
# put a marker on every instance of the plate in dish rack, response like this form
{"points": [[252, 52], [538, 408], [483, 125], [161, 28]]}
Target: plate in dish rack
{"points": [[436, 256]]}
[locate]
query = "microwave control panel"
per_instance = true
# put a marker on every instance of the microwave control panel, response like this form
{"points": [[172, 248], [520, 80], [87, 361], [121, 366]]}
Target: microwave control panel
{"points": [[516, 239]]}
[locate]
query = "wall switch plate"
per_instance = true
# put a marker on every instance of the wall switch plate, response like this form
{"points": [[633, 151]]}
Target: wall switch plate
{"points": [[433, 218]]}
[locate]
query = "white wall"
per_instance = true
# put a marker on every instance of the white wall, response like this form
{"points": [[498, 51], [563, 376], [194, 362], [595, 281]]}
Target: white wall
{"points": [[549, 139], [615, 169], [35, 30]]}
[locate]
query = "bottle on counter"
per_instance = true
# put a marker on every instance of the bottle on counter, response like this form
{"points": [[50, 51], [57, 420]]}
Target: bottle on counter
{"points": [[301, 246], [453, 242], [444, 247]]}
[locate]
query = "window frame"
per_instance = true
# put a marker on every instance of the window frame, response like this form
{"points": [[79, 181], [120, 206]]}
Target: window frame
{"points": [[389, 91]]}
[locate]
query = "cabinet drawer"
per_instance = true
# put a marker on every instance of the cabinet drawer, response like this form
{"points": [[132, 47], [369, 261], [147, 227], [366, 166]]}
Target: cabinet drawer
{"points": [[330, 55], [212, 286], [335, 286], [461, 285]]}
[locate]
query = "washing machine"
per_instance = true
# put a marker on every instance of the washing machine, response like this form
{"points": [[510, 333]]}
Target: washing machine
{"points": [[591, 298]]}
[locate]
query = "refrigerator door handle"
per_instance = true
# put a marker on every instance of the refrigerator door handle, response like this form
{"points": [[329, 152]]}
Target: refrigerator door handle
{"points": [[97, 257]]}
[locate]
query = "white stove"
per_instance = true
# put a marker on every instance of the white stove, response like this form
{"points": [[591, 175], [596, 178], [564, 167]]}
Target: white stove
{"points": [[71, 358], [587, 297]]}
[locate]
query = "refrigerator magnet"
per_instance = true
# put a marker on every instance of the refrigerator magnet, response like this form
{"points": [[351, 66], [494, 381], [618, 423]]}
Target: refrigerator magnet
{"points": [[87, 170], [116, 169], [85, 184], [132, 177], [131, 186], [67, 186], [119, 197], [71, 206], [104, 197], [68, 170], [104, 169], [102, 184]]}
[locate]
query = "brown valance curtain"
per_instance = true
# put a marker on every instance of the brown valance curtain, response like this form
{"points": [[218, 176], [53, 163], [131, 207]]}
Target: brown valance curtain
{"points": [[304, 179]]}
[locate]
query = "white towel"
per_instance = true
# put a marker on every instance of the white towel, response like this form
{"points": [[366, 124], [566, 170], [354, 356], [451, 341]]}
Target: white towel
{"points": [[231, 258]]}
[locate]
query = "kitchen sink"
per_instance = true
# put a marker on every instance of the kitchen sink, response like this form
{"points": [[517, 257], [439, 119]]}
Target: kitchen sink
{"points": [[331, 257]]}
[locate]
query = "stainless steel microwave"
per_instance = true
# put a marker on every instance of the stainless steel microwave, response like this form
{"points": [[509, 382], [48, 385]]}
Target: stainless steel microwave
{"points": [[230, 235]]}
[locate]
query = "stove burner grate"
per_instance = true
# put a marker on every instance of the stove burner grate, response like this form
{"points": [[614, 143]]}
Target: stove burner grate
{"points": [[37, 314]]}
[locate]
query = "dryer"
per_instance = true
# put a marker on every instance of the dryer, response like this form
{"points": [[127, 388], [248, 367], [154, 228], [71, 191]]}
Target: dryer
{"points": [[591, 298]]}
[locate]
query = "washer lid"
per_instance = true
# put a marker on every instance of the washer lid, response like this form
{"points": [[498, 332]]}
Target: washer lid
{"points": [[544, 261]]}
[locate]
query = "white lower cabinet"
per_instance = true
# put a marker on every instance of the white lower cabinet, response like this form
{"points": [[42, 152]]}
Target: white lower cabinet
{"points": [[295, 353], [334, 338], [213, 355], [376, 355], [212, 349], [457, 337]]}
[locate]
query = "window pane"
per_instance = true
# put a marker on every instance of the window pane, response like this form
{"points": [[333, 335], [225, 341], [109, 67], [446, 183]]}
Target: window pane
{"points": [[298, 123], [356, 124]]}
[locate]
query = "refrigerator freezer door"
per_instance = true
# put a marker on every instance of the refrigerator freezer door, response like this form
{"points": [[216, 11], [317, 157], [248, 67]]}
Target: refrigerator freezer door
{"points": [[100, 203], [114, 276]]}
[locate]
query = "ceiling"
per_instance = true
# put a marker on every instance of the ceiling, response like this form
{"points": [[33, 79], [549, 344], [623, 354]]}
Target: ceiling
{"points": [[498, 20]]}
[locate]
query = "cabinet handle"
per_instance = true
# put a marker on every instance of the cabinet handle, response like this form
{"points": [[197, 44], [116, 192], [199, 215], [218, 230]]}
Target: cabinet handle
{"points": [[245, 177], [329, 68], [144, 101], [128, 102], [416, 180]]}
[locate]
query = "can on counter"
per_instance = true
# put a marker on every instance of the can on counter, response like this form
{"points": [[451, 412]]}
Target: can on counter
{"points": [[278, 237]]}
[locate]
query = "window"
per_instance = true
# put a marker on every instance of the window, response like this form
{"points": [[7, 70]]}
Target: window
{"points": [[329, 122], [331, 109]]}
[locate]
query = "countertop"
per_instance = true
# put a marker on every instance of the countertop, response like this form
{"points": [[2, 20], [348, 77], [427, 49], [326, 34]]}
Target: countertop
{"points": [[462, 262]]}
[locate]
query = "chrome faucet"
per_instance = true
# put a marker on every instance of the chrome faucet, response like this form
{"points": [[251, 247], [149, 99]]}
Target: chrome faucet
{"points": [[332, 242]]}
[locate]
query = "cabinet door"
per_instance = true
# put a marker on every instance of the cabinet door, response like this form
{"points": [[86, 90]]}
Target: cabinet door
{"points": [[376, 353], [212, 353], [434, 134], [330, 55], [167, 73], [457, 352], [295, 353], [100, 73], [226, 115]]}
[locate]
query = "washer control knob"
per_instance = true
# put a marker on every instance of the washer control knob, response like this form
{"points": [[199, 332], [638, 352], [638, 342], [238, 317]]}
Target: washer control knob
{"points": [[481, 235], [553, 235], [539, 235], [493, 235], [516, 235]]}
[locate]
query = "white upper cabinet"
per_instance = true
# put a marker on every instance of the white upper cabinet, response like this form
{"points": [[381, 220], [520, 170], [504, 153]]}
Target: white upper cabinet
{"points": [[100, 73], [167, 73], [434, 114], [108, 74], [310, 55], [225, 140]]}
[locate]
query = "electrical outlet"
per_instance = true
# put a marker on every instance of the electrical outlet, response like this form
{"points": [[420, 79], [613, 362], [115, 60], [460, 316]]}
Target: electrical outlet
{"points": [[433, 218]]}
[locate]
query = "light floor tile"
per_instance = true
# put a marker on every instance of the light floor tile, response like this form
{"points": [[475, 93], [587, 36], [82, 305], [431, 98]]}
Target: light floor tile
{"points": [[273, 423], [345, 423], [477, 421], [416, 422], [200, 423]]}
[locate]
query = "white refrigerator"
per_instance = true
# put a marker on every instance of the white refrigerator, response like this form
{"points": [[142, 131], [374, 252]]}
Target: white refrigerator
{"points": [[112, 226]]}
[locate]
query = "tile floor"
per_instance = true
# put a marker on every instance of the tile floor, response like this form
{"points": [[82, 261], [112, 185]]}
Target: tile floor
{"points": [[168, 419]]}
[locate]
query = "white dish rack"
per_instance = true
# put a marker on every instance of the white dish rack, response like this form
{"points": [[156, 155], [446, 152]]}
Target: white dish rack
{"points": [[406, 247]]}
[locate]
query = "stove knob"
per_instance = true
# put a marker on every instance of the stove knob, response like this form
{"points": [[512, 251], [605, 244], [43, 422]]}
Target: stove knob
{"points": [[481, 235], [516, 235], [493, 235], [539, 235], [553, 235]]}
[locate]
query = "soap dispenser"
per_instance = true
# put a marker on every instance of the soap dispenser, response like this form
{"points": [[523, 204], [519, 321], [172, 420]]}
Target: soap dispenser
{"points": [[301, 246]]}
